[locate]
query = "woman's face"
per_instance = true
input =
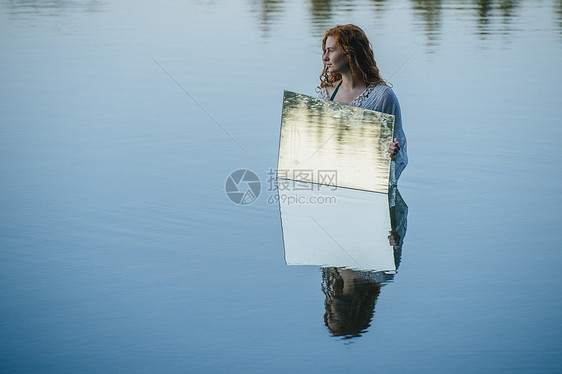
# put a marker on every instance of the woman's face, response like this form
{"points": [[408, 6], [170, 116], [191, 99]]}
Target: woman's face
{"points": [[333, 57]]}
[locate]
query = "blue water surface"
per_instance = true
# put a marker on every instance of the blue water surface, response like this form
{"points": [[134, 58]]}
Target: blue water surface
{"points": [[121, 252]]}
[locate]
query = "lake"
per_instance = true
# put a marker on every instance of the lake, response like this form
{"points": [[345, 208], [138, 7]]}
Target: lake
{"points": [[121, 251]]}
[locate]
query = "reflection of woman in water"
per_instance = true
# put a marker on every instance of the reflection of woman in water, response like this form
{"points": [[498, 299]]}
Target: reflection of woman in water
{"points": [[350, 301], [351, 76], [351, 295]]}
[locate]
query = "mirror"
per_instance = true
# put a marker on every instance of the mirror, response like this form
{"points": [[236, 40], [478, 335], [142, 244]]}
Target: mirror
{"points": [[320, 137]]}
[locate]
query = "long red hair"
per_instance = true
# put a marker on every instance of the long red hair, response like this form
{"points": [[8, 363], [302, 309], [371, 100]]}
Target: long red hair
{"points": [[359, 53]]}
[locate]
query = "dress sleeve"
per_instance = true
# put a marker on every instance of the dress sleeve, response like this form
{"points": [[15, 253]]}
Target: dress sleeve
{"points": [[388, 103]]}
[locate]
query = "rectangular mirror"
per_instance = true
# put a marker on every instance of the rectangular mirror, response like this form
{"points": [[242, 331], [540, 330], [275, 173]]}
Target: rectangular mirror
{"points": [[326, 142]]}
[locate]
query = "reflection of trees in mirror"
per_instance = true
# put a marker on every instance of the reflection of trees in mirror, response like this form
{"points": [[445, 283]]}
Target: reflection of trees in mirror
{"points": [[334, 127], [328, 130]]}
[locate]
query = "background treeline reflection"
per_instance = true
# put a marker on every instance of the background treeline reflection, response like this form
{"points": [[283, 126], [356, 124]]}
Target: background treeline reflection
{"points": [[490, 17]]}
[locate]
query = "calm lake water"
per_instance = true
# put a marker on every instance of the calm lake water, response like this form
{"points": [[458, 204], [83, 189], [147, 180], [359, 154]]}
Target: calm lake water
{"points": [[121, 252]]}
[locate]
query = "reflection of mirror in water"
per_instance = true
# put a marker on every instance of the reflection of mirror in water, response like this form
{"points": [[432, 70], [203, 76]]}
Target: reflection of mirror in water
{"points": [[356, 237], [341, 227]]}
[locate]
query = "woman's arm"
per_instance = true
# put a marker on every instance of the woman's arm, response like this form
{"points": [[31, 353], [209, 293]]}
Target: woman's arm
{"points": [[388, 103]]}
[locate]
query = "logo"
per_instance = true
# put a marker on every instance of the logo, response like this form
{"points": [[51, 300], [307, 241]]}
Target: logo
{"points": [[242, 187]]}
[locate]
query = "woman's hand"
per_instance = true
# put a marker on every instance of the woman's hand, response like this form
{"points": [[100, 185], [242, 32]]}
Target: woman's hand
{"points": [[393, 149], [393, 239]]}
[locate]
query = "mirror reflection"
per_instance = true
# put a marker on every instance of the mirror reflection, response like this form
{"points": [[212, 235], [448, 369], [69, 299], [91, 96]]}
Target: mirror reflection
{"points": [[355, 237], [319, 136]]}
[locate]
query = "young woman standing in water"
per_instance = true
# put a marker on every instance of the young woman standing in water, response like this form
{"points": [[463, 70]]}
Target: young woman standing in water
{"points": [[351, 76]]}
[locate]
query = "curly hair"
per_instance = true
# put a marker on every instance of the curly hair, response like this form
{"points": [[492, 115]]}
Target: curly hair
{"points": [[359, 53]]}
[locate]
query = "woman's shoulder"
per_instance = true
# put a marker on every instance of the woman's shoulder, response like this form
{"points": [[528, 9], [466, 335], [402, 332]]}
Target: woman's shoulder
{"points": [[384, 91], [382, 94], [380, 98]]}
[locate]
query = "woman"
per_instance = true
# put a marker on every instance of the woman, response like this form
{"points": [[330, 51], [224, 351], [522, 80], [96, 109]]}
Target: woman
{"points": [[351, 76]]}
